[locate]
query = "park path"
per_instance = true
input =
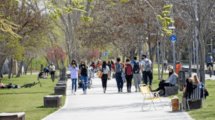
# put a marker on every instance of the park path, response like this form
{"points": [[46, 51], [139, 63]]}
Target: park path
{"points": [[96, 105]]}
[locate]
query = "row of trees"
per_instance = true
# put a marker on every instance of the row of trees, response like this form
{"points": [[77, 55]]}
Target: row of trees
{"points": [[122, 25]]}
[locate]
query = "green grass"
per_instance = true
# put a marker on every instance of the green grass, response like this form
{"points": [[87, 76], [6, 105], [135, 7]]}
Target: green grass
{"points": [[199, 114], [204, 113], [28, 100]]}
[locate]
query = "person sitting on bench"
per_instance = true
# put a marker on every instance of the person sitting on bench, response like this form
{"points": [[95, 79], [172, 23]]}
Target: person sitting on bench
{"points": [[171, 81]]}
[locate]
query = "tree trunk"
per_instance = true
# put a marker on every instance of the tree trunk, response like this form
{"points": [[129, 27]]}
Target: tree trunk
{"points": [[62, 62], [26, 66], [202, 58], [123, 58], [20, 69], [163, 55], [190, 60], [2, 60], [132, 53], [10, 68]]}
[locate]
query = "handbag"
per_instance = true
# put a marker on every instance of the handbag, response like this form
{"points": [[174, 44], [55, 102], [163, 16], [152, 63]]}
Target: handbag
{"points": [[100, 74]]}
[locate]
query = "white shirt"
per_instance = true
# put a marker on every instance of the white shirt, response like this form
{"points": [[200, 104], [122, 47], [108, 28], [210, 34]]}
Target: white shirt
{"points": [[105, 71], [52, 67], [143, 63]]}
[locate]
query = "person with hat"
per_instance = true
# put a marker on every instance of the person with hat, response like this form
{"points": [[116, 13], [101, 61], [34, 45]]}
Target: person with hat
{"points": [[170, 81]]}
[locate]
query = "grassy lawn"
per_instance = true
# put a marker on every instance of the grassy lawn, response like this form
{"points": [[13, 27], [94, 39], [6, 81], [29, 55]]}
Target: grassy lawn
{"points": [[199, 114], [28, 100]]}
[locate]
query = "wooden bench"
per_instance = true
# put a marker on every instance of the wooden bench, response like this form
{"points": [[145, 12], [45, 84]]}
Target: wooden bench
{"points": [[12, 116], [53, 101], [195, 100]]}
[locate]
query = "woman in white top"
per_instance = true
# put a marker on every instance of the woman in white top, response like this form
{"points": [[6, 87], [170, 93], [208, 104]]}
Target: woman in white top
{"points": [[105, 70], [73, 68], [52, 70]]}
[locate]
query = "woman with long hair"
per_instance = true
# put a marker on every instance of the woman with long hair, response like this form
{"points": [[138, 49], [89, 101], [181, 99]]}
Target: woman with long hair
{"points": [[73, 68], [105, 70], [84, 76], [93, 68]]}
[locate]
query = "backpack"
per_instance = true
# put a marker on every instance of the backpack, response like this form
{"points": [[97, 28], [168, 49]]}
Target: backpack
{"points": [[136, 68], [118, 67], [147, 65], [128, 70]]}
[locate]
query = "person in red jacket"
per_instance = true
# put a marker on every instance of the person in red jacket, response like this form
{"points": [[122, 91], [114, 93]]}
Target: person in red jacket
{"points": [[128, 73], [118, 68]]}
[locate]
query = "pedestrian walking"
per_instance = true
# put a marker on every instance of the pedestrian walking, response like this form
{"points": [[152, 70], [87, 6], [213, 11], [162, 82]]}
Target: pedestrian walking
{"points": [[73, 68], [109, 65], [118, 69], [52, 70], [84, 76], [146, 67], [128, 73], [93, 69], [136, 73], [105, 70]]}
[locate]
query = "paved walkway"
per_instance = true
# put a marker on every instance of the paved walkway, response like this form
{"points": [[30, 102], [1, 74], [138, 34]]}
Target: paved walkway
{"points": [[96, 105]]}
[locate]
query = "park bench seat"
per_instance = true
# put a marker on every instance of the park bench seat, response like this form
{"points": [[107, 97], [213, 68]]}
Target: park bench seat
{"points": [[53, 101], [172, 90], [12, 116]]}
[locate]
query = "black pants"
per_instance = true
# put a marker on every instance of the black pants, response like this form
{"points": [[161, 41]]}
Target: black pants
{"points": [[162, 84], [129, 79], [104, 80], [145, 75]]}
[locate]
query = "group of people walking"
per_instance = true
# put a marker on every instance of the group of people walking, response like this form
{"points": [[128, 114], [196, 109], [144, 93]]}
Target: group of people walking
{"points": [[124, 72]]}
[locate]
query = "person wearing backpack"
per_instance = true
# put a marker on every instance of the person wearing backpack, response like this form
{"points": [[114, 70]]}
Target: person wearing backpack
{"points": [[128, 73], [105, 70], [118, 69], [146, 67], [136, 73]]}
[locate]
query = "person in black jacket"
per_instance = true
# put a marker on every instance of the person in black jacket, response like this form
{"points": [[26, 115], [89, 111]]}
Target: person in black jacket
{"points": [[84, 76]]}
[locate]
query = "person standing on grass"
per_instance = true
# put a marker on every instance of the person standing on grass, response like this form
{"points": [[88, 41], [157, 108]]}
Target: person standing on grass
{"points": [[93, 68], [52, 70], [105, 70], [146, 68], [73, 68], [136, 73], [128, 72], [118, 69], [84, 76]]}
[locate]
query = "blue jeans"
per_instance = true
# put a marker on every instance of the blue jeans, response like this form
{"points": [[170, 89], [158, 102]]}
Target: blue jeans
{"points": [[93, 72], [119, 81], [145, 75], [74, 83], [84, 80]]}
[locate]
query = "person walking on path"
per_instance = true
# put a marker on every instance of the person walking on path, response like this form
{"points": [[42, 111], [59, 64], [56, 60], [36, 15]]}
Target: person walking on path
{"points": [[118, 69], [109, 65], [136, 73], [93, 69], [128, 73], [209, 60], [105, 70], [146, 67], [52, 70], [73, 68], [84, 76]]}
